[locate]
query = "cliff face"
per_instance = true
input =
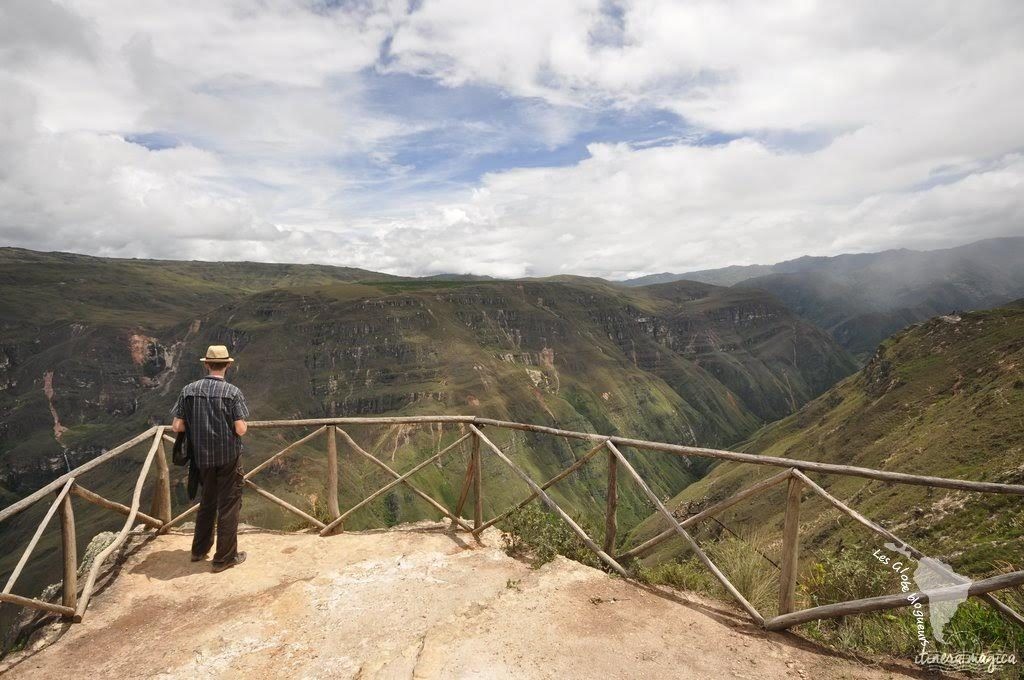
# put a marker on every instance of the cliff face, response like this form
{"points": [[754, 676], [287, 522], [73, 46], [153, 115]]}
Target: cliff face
{"points": [[92, 350]]}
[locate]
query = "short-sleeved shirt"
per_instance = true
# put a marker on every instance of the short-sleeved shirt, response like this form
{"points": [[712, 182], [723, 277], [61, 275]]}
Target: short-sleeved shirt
{"points": [[210, 407]]}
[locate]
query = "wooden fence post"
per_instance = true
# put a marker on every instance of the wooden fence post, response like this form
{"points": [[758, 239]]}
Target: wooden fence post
{"points": [[478, 485], [790, 547], [69, 549], [611, 522], [467, 482], [161, 505], [332, 472]]}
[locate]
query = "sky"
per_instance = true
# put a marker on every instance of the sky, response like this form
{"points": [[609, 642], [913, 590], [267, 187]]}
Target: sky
{"points": [[530, 138]]}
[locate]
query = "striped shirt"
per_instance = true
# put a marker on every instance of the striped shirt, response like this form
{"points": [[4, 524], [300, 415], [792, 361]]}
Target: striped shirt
{"points": [[210, 407]]}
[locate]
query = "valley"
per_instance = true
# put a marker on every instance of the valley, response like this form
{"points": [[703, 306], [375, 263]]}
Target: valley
{"points": [[95, 350]]}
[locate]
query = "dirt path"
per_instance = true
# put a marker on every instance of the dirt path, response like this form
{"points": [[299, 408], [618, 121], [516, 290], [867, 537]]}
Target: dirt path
{"points": [[410, 603]]}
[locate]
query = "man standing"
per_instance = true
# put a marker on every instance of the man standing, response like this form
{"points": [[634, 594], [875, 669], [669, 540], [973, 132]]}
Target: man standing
{"points": [[213, 411]]}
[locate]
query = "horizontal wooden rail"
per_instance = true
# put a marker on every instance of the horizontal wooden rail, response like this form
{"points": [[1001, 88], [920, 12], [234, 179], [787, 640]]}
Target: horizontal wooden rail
{"points": [[874, 604], [121, 508], [27, 501], [675, 449], [382, 420], [39, 604], [806, 465]]}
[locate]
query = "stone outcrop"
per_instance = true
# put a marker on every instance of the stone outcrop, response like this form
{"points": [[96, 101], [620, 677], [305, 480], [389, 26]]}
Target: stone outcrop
{"points": [[415, 602]]}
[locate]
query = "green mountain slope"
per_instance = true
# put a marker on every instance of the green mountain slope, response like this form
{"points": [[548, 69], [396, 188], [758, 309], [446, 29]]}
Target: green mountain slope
{"points": [[103, 345], [946, 398], [93, 351]]}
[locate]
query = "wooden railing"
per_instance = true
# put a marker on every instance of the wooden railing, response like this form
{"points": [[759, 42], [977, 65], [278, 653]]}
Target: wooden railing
{"points": [[73, 605]]}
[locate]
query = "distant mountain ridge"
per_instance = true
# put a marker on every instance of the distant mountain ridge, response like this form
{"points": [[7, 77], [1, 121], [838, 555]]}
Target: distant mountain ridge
{"points": [[863, 298], [724, 276]]}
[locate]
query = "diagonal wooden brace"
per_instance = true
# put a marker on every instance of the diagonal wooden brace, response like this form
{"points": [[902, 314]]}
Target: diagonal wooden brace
{"points": [[749, 608], [390, 485], [543, 487], [550, 502], [384, 466]]}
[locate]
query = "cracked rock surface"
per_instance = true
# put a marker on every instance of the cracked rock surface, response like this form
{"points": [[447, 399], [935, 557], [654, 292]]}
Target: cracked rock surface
{"points": [[412, 602]]}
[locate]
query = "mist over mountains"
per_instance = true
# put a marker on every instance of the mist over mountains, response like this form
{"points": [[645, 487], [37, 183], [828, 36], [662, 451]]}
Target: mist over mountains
{"points": [[861, 299]]}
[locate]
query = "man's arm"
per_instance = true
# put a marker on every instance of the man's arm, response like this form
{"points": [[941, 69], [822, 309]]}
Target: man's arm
{"points": [[178, 413], [240, 411]]}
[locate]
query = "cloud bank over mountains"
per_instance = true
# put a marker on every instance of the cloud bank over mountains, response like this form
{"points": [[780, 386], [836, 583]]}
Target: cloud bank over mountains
{"points": [[530, 138]]}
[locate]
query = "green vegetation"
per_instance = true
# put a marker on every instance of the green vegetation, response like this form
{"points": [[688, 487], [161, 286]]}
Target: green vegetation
{"points": [[683, 362], [833, 577], [742, 558], [686, 362], [941, 398], [539, 535], [844, 575]]}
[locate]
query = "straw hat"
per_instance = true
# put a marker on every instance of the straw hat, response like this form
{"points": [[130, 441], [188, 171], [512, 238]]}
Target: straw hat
{"points": [[217, 354]]}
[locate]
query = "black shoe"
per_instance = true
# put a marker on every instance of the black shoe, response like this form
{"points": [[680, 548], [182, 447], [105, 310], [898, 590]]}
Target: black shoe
{"points": [[200, 558], [221, 566]]}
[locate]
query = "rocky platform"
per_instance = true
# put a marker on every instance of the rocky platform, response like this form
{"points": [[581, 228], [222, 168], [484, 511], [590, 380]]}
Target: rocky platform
{"points": [[412, 602]]}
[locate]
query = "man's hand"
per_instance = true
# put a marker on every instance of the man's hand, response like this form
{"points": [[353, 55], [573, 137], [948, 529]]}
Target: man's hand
{"points": [[241, 427], [178, 425]]}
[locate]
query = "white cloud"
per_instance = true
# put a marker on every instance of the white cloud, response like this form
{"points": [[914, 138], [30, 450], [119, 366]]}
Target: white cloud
{"points": [[684, 208], [856, 126]]}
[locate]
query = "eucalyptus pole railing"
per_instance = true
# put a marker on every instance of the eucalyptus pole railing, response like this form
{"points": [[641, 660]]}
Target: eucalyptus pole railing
{"points": [[794, 474]]}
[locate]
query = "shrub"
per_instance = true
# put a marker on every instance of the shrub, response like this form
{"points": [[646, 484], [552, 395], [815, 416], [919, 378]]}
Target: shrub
{"points": [[318, 509], [315, 507], [849, 574], [534, 533], [852, 574]]}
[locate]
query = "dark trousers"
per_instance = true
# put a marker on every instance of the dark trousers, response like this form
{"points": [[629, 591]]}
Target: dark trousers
{"points": [[220, 503]]}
